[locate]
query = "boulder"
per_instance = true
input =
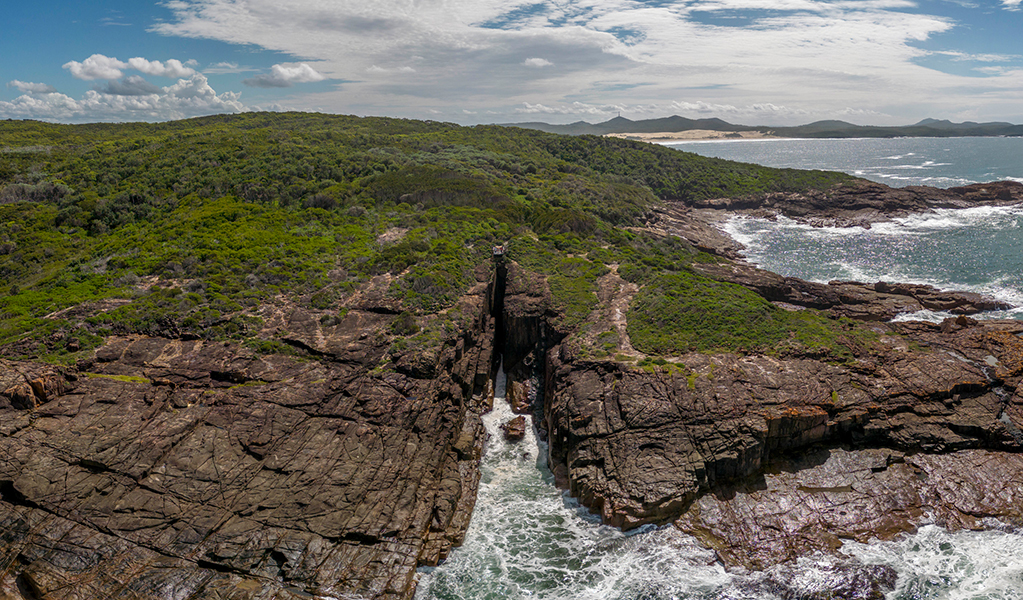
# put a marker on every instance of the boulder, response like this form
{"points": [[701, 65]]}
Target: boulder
{"points": [[515, 429]]}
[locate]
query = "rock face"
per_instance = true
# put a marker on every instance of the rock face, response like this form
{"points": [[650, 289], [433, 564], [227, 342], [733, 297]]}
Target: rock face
{"points": [[640, 447], [171, 468], [180, 468], [815, 501], [515, 429]]}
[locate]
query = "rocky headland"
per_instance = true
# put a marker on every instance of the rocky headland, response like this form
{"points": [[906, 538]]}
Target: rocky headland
{"points": [[335, 449]]}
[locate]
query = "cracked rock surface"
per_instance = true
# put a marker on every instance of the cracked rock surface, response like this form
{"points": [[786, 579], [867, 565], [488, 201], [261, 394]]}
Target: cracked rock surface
{"points": [[170, 468]]}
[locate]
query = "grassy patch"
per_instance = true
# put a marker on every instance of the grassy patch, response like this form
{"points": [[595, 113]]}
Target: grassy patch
{"points": [[685, 312]]}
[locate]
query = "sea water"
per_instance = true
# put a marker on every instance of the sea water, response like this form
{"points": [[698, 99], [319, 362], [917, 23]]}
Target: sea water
{"points": [[898, 162], [527, 539], [976, 250]]}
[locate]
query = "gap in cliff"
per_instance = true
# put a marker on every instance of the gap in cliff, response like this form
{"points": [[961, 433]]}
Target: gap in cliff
{"points": [[522, 338]]}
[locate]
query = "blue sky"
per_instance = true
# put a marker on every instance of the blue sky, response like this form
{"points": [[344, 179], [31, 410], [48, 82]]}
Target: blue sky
{"points": [[484, 61]]}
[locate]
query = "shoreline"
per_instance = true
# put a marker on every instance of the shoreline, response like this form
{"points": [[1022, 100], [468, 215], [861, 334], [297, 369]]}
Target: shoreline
{"points": [[694, 135]]}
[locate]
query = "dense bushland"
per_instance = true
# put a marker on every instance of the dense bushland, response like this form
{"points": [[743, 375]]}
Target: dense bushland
{"points": [[187, 227]]}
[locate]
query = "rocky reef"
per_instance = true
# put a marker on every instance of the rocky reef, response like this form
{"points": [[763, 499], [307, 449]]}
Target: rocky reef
{"points": [[863, 202]]}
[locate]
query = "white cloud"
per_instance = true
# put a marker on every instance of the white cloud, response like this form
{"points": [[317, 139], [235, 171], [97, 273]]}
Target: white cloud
{"points": [[578, 108], [96, 66], [132, 85], [379, 70], [27, 87], [805, 58], [806, 55], [285, 75], [706, 109], [99, 66], [190, 97], [221, 68], [172, 68], [537, 62], [963, 56]]}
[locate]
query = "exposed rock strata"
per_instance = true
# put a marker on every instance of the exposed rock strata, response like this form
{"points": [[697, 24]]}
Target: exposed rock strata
{"points": [[816, 501], [640, 447], [171, 468]]}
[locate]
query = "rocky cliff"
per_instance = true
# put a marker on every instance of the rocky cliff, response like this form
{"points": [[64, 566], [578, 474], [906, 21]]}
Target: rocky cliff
{"points": [[182, 468], [169, 466]]}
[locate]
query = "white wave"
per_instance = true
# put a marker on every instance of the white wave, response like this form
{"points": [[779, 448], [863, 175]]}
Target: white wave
{"points": [[947, 218], [937, 564], [888, 251], [744, 229], [923, 315], [528, 540], [922, 166]]}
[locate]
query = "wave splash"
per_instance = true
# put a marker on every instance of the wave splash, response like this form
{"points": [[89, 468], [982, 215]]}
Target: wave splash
{"points": [[528, 540], [976, 250]]}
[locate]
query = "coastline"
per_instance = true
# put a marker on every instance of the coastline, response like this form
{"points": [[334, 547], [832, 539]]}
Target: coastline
{"points": [[693, 135]]}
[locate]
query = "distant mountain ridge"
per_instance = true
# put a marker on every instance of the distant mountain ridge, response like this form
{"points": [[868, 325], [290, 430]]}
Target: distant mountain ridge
{"points": [[817, 129]]}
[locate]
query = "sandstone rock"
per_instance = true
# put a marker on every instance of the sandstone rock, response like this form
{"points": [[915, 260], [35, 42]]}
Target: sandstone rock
{"points": [[518, 397], [638, 447], [861, 202], [813, 502], [210, 471], [864, 302], [514, 429]]}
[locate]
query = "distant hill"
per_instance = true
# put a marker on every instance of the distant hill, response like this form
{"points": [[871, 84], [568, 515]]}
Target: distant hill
{"points": [[818, 129], [623, 125]]}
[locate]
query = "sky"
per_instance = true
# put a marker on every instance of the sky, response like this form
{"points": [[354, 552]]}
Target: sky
{"points": [[751, 62]]}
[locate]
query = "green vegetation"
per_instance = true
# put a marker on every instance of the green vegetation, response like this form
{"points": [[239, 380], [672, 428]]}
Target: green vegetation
{"points": [[189, 227], [122, 378], [684, 312]]}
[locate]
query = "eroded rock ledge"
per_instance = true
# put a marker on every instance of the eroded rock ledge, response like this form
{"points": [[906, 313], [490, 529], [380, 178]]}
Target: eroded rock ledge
{"points": [[640, 447], [175, 468], [865, 202]]}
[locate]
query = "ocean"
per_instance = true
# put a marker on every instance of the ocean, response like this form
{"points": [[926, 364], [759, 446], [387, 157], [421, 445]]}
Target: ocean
{"points": [[528, 539], [898, 162], [977, 250]]}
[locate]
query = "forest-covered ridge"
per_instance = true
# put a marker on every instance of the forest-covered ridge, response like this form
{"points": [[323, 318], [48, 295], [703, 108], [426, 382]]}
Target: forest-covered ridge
{"points": [[186, 227]]}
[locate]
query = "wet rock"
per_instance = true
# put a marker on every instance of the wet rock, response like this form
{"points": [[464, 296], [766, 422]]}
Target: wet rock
{"points": [[515, 429], [518, 397], [861, 301], [819, 578], [862, 202], [812, 503]]}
